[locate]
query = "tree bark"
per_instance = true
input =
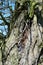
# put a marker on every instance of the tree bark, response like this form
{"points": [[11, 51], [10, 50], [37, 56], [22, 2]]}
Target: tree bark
{"points": [[23, 47]]}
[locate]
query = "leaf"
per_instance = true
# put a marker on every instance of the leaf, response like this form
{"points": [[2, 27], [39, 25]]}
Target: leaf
{"points": [[32, 4]]}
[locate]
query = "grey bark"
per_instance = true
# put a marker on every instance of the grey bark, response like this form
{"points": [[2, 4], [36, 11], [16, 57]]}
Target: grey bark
{"points": [[24, 48]]}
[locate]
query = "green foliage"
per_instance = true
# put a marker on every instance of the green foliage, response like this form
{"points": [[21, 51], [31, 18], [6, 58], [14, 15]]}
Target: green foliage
{"points": [[32, 4]]}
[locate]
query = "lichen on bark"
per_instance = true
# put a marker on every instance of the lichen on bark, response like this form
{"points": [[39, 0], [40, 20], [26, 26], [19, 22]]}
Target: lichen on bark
{"points": [[23, 45]]}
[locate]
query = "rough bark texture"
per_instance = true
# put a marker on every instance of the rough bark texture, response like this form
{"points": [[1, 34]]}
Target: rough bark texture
{"points": [[23, 47]]}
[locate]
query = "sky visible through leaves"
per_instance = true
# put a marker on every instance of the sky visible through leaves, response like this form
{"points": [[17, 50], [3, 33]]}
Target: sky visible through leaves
{"points": [[6, 12]]}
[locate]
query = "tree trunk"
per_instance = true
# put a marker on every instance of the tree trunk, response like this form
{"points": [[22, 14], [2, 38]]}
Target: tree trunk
{"points": [[23, 47], [26, 49]]}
